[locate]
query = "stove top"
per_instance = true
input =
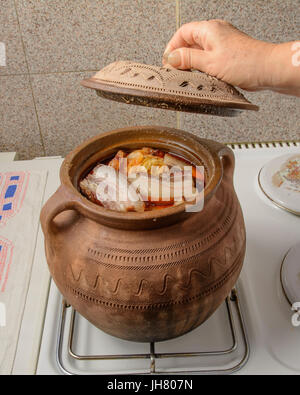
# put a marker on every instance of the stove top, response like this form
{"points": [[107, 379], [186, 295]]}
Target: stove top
{"points": [[218, 346], [254, 332]]}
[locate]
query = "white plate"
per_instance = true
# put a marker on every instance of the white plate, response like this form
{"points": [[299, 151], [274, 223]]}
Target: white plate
{"points": [[290, 274], [279, 179]]}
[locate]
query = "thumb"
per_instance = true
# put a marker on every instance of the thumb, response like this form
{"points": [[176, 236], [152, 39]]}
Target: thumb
{"points": [[188, 58]]}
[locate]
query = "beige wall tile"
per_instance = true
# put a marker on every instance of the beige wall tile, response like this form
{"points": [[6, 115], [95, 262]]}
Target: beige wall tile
{"points": [[62, 36], [70, 113], [272, 20], [65, 35], [18, 123], [277, 119], [10, 36]]}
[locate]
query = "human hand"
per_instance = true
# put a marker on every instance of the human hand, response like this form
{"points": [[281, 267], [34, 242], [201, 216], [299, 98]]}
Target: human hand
{"points": [[221, 50]]}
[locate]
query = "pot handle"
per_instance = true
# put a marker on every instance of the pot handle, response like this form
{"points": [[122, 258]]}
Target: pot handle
{"points": [[226, 155], [57, 204]]}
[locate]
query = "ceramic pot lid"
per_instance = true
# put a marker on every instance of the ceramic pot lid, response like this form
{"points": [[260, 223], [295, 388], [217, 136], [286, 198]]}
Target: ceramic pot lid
{"points": [[279, 179], [167, 88], [290, 274]]}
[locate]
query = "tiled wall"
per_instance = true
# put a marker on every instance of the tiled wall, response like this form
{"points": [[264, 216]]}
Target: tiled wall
{"points": [[51, 45]]}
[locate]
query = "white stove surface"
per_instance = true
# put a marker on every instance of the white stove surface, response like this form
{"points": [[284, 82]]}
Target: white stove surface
{"points": [[274, 341]]}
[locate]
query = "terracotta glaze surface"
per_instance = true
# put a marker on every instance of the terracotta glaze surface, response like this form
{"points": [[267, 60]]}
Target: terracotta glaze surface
{"points": [[147, 276], [167, 88]]}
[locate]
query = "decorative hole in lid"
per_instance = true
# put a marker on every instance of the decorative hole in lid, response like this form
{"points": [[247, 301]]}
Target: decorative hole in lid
{"points": [[184, 83], [167, 88]]}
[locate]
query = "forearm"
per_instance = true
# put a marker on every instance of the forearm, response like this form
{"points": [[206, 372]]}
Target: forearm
{"points": [[282, 68]]}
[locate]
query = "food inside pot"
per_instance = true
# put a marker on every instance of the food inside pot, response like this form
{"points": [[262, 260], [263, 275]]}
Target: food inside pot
{"points": [[143, 180]]}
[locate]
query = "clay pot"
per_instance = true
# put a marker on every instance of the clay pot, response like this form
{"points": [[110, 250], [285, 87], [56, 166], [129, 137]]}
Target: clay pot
{"points": [[150, 276]]}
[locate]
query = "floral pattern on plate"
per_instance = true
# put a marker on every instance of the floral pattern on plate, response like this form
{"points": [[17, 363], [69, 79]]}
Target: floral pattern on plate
{"points": [[279, 179], [289, 174]]}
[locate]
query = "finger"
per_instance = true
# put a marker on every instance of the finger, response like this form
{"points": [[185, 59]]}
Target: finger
{"points": [[189, 58], [188, 35]]}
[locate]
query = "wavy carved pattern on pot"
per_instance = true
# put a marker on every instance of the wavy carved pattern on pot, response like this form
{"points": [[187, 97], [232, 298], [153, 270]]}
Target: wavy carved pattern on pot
{"points": [[119, 304], [164, 283]]}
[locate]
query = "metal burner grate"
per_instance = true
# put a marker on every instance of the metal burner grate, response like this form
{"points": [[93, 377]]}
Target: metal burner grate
{"points": [[232, 304]]}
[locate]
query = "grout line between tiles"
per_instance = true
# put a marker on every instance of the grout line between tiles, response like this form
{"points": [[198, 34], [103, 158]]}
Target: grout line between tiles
{"points": [[178, 14], [29, 79]]}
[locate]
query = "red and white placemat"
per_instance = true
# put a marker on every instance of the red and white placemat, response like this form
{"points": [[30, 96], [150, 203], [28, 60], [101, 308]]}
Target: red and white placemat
{"points": [[21, 194]]}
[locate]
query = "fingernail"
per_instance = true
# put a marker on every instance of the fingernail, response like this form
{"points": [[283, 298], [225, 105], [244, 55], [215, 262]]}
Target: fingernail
{"points": [[174, 59], [166, 53]]}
